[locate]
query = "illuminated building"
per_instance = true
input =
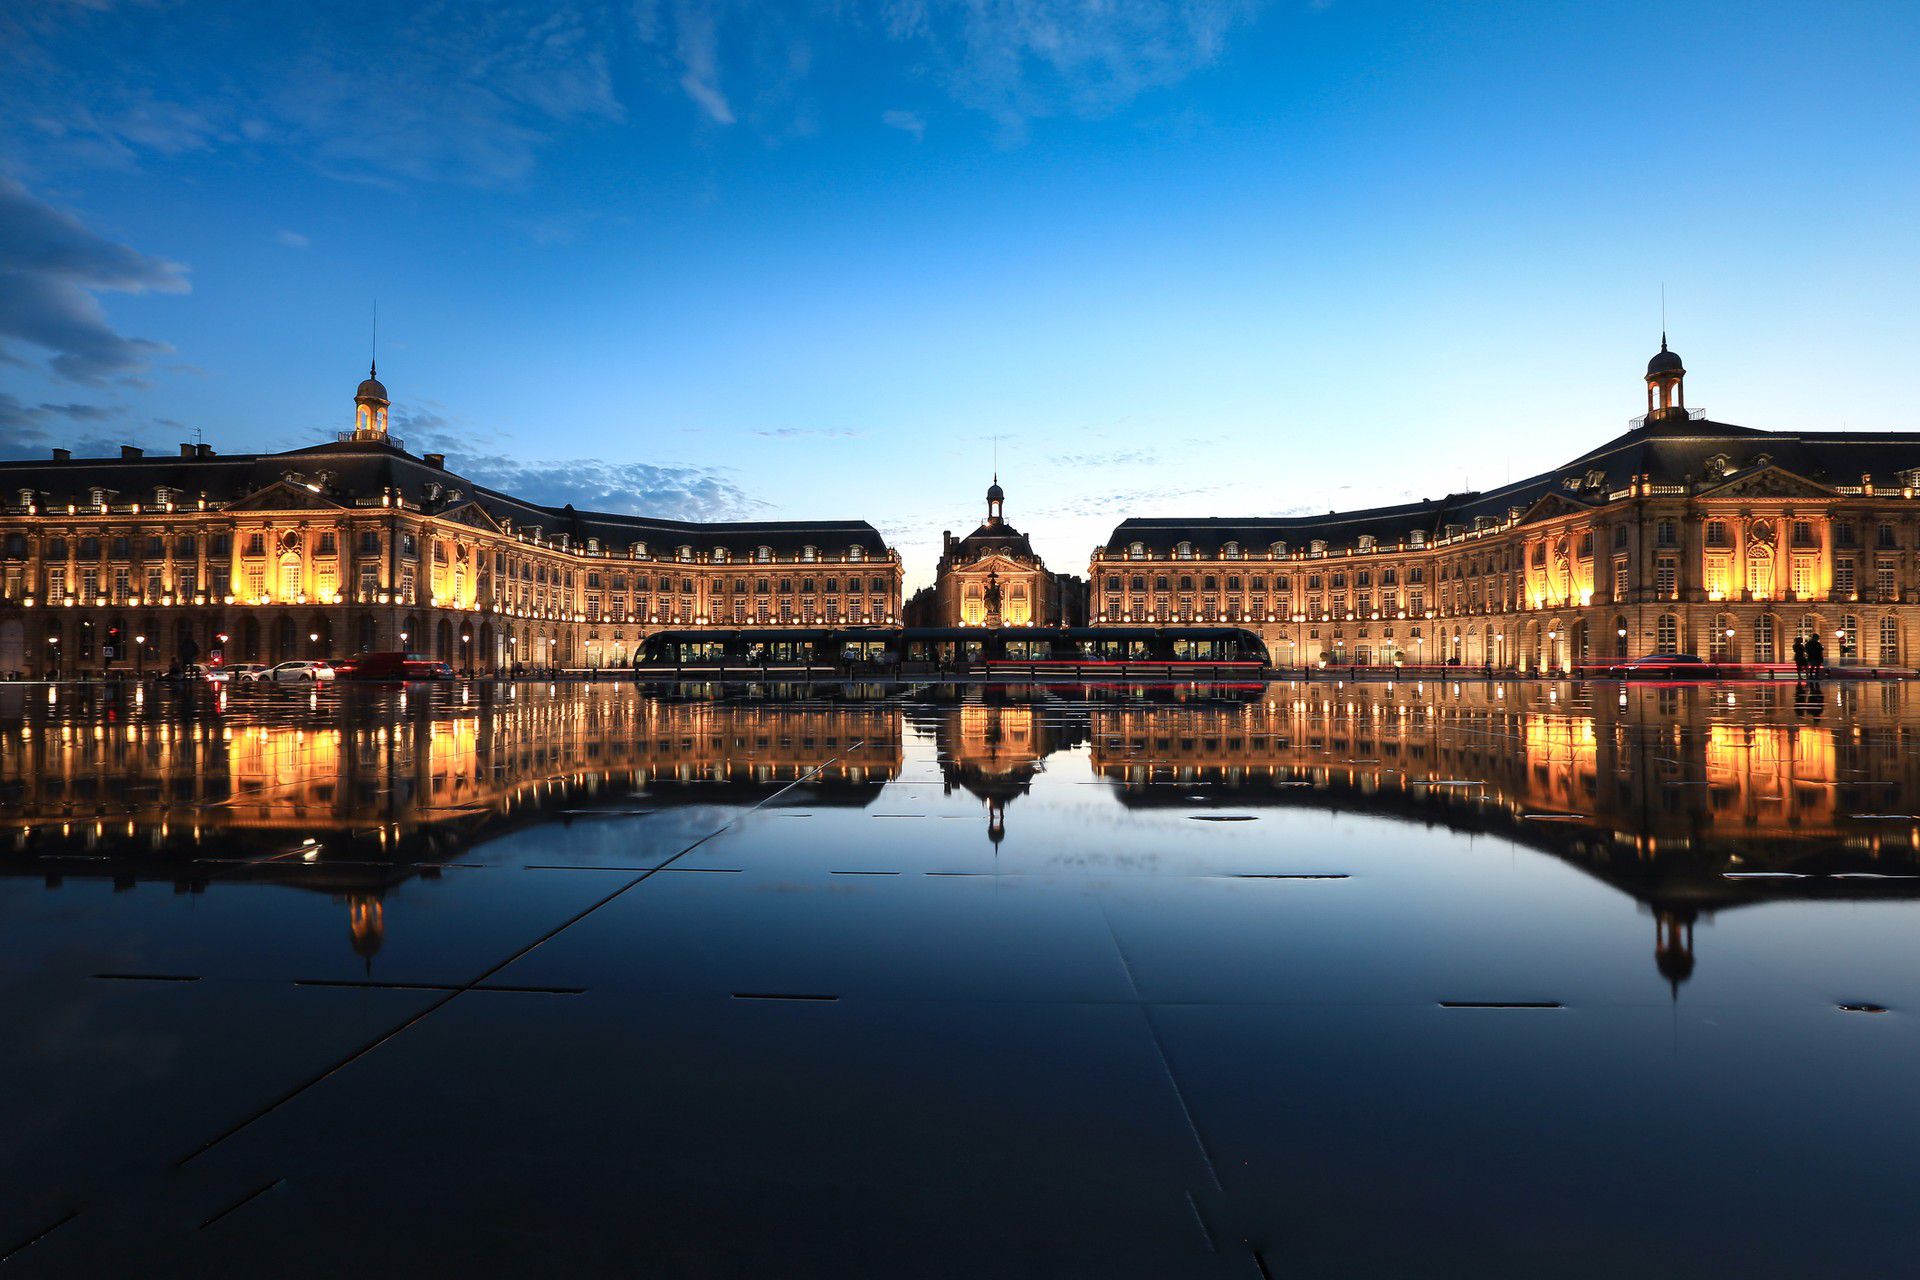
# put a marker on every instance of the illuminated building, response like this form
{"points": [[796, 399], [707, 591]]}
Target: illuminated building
{"points": [[994, 578], [1684, 534], [356, 545]]}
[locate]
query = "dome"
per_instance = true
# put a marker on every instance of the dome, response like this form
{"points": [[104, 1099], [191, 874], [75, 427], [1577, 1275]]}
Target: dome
{"points": [[1665, 362], [371, 389], [995, 493]]}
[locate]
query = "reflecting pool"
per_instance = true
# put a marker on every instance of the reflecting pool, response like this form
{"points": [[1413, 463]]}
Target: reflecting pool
{"points": [[1314, 979]]}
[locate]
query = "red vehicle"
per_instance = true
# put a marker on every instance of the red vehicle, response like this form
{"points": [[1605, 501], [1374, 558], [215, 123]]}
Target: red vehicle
{"points": [[393, 666]]}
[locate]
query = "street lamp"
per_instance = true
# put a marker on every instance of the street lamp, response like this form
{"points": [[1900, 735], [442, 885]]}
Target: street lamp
{"points": [[139, 654]]}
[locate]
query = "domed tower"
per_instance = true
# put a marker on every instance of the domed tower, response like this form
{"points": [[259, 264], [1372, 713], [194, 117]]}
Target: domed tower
{"points": [[996, 503], [1666, 384], [370, 409]]}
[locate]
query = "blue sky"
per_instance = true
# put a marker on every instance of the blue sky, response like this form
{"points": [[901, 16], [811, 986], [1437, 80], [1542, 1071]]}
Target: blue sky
{"points": [[724, 259]]}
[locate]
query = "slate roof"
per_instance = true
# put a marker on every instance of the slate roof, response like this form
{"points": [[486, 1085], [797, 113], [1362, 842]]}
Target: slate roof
{"points": [[1667, 451], [349, 470]]}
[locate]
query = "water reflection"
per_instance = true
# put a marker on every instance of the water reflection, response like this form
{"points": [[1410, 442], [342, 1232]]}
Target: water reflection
{"points": [[1691, 800]]}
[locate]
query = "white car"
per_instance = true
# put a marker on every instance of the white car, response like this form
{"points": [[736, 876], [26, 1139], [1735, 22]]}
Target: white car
{"points": [[244, 672], [294, 672]]}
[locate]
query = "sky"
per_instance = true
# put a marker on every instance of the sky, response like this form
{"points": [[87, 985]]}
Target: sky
{"points": [[791, 259]]}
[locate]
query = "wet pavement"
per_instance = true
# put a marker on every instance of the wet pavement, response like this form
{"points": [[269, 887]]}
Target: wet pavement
{"points": [[1316, 979]]}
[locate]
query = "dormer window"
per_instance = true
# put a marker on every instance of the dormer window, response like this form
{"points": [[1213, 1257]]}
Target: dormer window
{"points": [[1418, 538], [808, 555], [1230, 551], [1368, 542], [1183, 551], [856, 553], [719, 555], [1137, 551], [1277, 550], [1318, 546], [763, 555], [684, 553]]}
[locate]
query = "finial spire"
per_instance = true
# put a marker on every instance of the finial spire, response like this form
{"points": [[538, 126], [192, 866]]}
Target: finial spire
{"points": [[373, 363]]}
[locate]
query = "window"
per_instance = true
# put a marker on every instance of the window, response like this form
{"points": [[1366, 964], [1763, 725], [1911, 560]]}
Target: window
{"points": [[256, 543], [326, 547], [1884, 537], [1883, 580], [1803, 569], [1666, 634], [1803, 534], [1665, 533], [1843, 583], [1763, 647], [1666, 576], [1889, 641], [1843, 533], [1717, 534]]}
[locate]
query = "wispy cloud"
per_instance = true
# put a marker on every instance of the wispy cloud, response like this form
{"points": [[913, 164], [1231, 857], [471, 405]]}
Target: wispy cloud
{"points": [[51, 266], [1120, 458], [636, 488], [696, 42], [25, 427], [906, 122], [292, 240], [809, 433]]}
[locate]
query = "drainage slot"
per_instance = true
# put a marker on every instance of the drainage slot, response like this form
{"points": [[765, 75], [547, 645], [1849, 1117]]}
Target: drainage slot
{"points": [[783, 995], [149, 977], [1501, 1004], [1863, 1008]]}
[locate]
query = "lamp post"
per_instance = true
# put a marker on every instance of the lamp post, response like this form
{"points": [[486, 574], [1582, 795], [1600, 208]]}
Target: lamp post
{"points": [[1553, 649], [53, 656], [466, 653], [139, 656]]}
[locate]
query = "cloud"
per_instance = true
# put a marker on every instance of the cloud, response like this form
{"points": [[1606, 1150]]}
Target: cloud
{"points": [[24, 427], [635, 488], [813, 433], [51, 266], [1125, 457], [906, 122], [1018, 59], [292, 239], [697, 46]]}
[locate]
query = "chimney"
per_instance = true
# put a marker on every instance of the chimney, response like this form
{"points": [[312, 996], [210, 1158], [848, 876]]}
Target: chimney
{"points": [[186, 451], [203, 451], [129, 452], [438, 461], [63, 455]]}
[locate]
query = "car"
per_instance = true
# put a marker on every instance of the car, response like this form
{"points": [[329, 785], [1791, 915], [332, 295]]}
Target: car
{"points": [[298, 671], [244, 672], [395, 665], [1664, 666]]}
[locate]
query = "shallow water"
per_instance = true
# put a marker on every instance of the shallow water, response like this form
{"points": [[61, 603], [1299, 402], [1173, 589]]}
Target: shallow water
{"points": [[1311, 979]]}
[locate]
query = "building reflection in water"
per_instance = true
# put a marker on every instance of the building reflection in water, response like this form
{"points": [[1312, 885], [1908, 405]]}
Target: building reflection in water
{"points": [[1691, 800], [352, 797]]}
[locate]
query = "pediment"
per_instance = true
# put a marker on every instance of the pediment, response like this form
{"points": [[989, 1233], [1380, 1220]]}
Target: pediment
{"points": [[473, 515], [284, 495], [1551, 505], [1770, 482]]}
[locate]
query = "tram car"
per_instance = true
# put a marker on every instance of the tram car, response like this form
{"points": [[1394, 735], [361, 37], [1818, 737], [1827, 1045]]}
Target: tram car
{"points": [[1176, 652]]}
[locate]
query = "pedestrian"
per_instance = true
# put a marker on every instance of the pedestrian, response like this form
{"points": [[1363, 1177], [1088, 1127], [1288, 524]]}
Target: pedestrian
{"points": [[1816, 657], [1799, 657]]}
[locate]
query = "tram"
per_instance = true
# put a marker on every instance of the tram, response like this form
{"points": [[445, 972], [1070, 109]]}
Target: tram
{"points": [[1176, 651]]}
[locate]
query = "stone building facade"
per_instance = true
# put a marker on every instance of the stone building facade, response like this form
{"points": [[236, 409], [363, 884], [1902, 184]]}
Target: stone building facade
{"points": [[356, 545], [1683, 534], [994, 578]]}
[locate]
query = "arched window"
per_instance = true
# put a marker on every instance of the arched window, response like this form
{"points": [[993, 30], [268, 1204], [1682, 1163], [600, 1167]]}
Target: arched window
{"points": [[1230, 551], [1183, 551], [1666, 634], [856, 553], [1849, 638], [1764, 643], [1760, 572], [1889, 641]]}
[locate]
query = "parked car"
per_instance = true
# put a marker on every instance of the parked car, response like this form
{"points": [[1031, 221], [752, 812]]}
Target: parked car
{"points": [[395, 666], [298, 671], [1664, 666], [244, 672]]}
